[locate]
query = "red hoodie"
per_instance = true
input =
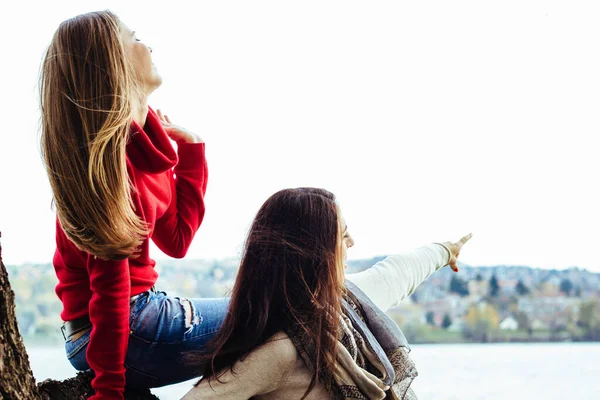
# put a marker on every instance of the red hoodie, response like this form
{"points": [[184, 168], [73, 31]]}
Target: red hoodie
{"points": [[169, 197]]}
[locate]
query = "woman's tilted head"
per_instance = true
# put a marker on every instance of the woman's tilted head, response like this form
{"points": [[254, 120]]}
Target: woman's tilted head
{"points": [[99, 44], [88, 62], [296, 230], [140, 57], [88, 90], [291, 264], [291, 275]]}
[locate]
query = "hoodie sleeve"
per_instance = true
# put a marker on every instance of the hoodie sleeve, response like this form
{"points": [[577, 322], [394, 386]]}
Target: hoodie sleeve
{"points": [[109, 315], [174, 231]]}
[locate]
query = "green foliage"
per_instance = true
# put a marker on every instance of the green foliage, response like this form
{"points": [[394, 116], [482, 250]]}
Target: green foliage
{"points": [[589, 320], [458, 286], [38, 307], [494, 286], [446, 322], [521, 289], [429, 318], [566, 286]]}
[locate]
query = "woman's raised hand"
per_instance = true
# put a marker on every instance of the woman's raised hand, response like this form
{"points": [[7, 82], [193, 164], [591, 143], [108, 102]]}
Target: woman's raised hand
{"points": [[455, 250], [177, 133]]}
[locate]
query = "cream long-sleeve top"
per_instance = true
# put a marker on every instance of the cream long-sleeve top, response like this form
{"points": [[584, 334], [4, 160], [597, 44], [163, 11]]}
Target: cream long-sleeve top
{"points": [[274, 370]]}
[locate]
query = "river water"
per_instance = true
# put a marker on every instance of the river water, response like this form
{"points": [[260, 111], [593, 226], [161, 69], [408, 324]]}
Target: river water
{"points": [[548, 371]]}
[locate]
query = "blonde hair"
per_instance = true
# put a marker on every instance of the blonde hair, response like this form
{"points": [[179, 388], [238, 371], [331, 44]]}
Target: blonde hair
{"points": [[86, 90]]}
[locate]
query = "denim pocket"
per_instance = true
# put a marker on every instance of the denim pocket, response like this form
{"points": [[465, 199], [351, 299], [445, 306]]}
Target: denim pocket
{"points": [[159, 319], [135, 378], [76, 352], [136, 306]]}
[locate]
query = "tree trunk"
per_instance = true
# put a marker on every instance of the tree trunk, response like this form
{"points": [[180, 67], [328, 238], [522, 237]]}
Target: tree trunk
{"points": [[16, 377]]}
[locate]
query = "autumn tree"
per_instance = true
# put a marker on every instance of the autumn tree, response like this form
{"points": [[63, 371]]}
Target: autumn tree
{"points": [[589, 320], [480, 321]]}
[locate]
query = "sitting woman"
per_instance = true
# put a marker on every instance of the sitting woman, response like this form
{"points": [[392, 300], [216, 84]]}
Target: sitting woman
{"points": [[296, 328]]}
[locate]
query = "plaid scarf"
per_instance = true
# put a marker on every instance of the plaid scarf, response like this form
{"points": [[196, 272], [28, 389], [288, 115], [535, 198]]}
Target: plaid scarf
{"points": [[372, 358]]}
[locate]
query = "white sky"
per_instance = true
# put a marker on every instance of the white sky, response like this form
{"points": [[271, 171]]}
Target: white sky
{"points": [[428, 119]]}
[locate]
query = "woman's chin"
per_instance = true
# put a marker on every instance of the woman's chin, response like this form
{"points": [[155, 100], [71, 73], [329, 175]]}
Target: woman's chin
{"points": [[154, 83], [157, 79]]}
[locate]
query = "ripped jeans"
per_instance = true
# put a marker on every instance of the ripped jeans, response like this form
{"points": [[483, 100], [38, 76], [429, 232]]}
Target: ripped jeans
{"points": [[159, 336]]}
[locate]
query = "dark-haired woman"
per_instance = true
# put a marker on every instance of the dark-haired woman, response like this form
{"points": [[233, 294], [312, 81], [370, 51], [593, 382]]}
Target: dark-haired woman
{"points": [[119, 183], [296, 328]]}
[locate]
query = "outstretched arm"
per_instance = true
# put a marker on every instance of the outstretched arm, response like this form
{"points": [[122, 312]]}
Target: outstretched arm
{"points": [[396, 277]]}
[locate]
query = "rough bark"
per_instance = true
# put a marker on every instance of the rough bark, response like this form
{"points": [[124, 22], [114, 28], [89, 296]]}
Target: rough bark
{"points": [[16, 377], [80, 388]]}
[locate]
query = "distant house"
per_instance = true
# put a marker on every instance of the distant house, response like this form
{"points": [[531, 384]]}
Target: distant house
{"points": [[450, 305], [546, 306], [508, 286], [478, 289], [509, 324], [549, 288]]}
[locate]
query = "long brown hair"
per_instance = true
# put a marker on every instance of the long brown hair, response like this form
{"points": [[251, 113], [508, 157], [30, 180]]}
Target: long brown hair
{"points": [[291, 272], [86, 90]]}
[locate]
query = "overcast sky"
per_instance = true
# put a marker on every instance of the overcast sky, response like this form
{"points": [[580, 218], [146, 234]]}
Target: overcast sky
{"points": [[427, 119]]}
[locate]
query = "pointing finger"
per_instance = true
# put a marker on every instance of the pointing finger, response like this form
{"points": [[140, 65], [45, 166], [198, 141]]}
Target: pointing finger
{"points": [[454, 265], [465, 239]]}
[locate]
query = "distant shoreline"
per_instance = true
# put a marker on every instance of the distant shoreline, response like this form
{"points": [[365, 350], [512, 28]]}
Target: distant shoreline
{"points": [[44, 341]]}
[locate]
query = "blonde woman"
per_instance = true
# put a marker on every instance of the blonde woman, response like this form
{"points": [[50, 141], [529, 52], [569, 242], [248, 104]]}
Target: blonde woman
{"points": [[297, 328], [118, 183]]}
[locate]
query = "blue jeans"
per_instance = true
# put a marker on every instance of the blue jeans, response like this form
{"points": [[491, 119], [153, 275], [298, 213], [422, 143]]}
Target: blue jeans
{"points": [[159, 338]]}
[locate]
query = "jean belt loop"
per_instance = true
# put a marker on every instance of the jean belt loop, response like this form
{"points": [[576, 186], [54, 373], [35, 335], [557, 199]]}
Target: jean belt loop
{"points": [[62, 330]]}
